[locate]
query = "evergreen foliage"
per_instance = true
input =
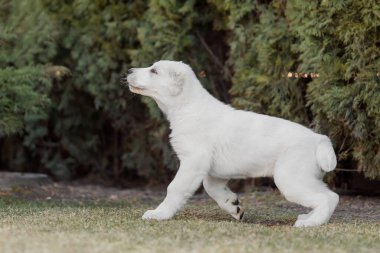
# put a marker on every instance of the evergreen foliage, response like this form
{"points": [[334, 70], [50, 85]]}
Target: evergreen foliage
{"points": [[331, 38], [94, 122], [343, 45], [241, 51], [22, 87], [19, 97]]}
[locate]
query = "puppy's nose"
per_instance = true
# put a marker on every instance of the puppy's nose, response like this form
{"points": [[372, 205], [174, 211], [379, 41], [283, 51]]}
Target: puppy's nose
{"points": [[129, 71]]}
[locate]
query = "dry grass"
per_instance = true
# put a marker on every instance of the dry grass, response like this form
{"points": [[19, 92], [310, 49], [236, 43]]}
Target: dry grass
{"points": [[104, 225]]}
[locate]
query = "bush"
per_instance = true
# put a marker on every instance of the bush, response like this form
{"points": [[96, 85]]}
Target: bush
{"points": [[243, 51], [19, 97], [22, 88], [25, 79], [331, 38]]}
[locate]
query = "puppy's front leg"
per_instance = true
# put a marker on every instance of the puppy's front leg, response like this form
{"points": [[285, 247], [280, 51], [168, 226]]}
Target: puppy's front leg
{"points": [[185, 183]]}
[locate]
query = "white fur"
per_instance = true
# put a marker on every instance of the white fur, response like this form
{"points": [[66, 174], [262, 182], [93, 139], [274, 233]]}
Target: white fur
{"points": [[215, 143]]}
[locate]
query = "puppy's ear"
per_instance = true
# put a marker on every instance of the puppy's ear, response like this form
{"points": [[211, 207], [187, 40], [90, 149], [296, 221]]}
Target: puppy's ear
{"points": [[178, 78], [178, 82]]}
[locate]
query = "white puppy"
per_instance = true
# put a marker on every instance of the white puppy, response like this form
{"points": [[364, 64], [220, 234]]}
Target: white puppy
{"points": [[215, 143]]}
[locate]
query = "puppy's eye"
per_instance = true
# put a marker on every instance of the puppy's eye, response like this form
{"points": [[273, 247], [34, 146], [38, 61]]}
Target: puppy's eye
{"points": [[154, 71]]}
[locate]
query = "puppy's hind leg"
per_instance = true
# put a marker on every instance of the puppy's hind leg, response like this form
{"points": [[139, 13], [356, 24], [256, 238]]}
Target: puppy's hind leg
{"points": [[299, 179], [227, 200]]}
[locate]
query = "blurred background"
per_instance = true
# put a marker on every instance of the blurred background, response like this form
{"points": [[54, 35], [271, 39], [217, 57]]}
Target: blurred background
{"points": [[64, 112]]}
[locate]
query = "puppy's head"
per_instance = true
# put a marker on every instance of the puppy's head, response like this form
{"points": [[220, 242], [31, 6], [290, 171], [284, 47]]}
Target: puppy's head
{"points": [[164, 79]]}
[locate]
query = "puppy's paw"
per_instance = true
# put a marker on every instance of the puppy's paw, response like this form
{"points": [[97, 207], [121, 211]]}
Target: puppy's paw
{"points": [[239, 214], [303, 216], [306, 223], [156, 215]]}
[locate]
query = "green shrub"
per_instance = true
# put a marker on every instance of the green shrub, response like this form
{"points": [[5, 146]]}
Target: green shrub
{"points": [[339, 40], [240, 51], [95, 125], [22, 87], [25, 79], [21, 94]]}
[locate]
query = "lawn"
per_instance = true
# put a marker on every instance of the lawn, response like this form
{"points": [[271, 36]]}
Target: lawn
{"points": [[111, 223]]}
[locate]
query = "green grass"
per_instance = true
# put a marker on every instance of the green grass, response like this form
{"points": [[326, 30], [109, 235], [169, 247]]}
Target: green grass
{"points": [[115, 226]]}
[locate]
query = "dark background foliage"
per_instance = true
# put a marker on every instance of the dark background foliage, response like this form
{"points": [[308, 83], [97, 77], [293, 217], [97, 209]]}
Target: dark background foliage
{"points": [[64, 112]]}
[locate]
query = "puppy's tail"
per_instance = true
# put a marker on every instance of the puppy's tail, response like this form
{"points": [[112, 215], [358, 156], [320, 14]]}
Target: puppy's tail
{"points": [[325, 154]]}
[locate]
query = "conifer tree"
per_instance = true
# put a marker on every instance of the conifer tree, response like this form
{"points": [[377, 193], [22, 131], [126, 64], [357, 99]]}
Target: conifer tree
{"points": [[241, 51], [339, 40], [22, 87]]}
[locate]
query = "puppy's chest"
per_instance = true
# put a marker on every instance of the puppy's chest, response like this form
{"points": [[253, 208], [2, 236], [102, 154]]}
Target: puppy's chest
{"points": [[189, 139], [187, 142]]}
